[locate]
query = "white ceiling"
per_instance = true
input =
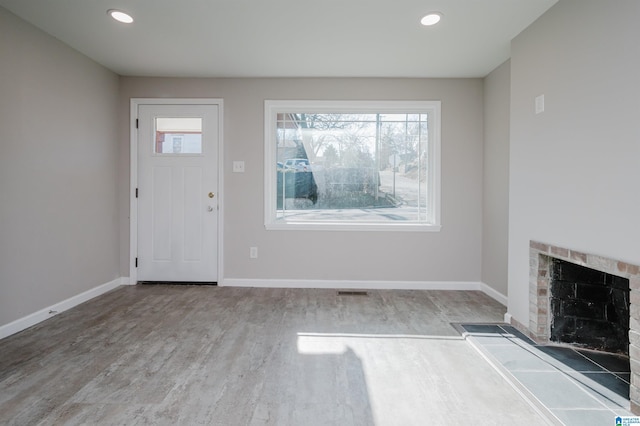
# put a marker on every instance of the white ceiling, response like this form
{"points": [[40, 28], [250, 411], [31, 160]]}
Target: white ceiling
{"points": [[288, 38]]}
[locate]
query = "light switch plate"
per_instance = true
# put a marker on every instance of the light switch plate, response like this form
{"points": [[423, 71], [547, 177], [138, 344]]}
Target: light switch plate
{"points": [[539, 104], [238, 167]]}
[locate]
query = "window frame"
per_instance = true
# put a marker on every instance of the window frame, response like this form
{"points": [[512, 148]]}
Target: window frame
{"points": [[274, 107]]}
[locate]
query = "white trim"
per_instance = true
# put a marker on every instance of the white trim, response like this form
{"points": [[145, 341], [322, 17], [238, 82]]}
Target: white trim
{"points": [[354, 284], [46, 313], [507, 317], [133, 201], [347, 226], [273, 107], [133, 184], [494, 294]]}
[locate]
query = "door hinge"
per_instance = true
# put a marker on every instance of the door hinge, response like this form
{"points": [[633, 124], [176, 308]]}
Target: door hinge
{"points": [[137, 123], [136, 262], [136, 192]]}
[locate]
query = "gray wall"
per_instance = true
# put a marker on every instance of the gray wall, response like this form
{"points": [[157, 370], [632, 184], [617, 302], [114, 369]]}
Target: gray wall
{"points": [[450, 255], [58, 164], [495, 189], [575, 169]]}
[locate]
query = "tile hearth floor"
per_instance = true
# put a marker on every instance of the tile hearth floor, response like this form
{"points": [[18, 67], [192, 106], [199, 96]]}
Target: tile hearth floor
{"points": [[571, 386]]}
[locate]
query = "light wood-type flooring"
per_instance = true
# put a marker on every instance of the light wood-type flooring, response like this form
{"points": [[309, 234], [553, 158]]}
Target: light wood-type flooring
{"points": [[191, 355]]}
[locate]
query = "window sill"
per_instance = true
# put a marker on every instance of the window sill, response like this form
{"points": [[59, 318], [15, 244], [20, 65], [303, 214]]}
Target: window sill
{"points": [[342, 226]]}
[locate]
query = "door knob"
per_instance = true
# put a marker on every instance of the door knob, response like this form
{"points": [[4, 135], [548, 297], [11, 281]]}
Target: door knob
{"points": [[210, 209], [211, 195]]}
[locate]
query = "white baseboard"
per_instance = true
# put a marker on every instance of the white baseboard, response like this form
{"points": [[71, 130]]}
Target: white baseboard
{"points": [[494, 294], [46, 313], [369, 285]]}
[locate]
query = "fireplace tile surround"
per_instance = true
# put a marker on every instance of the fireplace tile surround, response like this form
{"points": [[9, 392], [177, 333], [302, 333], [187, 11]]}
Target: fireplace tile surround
{"points": [[541, 256]]}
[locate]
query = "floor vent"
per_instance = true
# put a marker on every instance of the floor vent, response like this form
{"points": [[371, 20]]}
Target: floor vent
{"points": [[352, 293]]}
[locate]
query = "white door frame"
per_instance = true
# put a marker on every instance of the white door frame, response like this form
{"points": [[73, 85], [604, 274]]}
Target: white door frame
{"points": [[133, 201]]}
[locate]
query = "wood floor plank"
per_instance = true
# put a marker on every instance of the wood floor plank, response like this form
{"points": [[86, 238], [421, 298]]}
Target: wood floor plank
{"points": [[167, 354]]}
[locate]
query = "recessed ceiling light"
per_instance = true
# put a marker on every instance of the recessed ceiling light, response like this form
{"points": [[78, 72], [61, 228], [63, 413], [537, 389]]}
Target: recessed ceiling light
{"points": [[431, 19], [120, 16]]}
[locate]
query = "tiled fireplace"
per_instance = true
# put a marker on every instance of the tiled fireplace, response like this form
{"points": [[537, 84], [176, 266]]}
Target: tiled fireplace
{"points": [[543, 259]]}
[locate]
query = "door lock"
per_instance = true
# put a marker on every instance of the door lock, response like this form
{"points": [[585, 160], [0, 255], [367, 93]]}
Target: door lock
{"points": [[211, 195]]}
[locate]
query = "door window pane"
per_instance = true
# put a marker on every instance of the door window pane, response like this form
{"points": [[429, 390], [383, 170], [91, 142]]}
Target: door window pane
{"points": [[179, 135]]}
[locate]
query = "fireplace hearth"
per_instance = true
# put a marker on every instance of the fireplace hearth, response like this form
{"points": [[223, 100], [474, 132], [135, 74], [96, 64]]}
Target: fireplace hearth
{"points": [[579, 302]]}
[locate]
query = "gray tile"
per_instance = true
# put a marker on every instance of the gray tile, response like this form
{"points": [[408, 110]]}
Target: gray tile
{"points": [[517, 334], [612, 362], [490, 334], [606, 387], [568, 359], [518, 358], [483, 328], [557, 390], [624, 376], [586, 417], [491, 340], [560, 377]]}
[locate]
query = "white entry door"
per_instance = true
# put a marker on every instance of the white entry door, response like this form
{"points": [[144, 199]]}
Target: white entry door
{"points": [[177, 193]]}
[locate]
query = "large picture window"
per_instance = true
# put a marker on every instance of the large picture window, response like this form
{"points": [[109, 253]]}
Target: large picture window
{"points": [[352, 165]]}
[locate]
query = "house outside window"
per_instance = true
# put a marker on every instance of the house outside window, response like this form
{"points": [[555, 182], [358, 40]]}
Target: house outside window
{"points": [[178, 135], [352, 165]]}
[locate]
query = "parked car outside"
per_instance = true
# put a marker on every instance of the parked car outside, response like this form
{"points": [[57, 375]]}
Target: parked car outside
{"points": [[298, 164]]}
